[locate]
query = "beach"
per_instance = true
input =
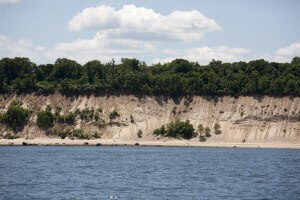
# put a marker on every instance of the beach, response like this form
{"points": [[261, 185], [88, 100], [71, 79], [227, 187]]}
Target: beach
{"points": [[111, 142]]}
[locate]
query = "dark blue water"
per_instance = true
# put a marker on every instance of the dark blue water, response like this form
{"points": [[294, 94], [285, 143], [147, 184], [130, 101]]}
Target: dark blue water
{"points": [[148, 173]]}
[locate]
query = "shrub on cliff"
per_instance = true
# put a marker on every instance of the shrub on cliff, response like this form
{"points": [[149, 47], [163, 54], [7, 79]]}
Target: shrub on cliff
{"points": [[85, 114], [177, 129], [140, 134], [75, 133], [207, 132], [45, 119], [69, 118], [114, 114], [200, 129], [16, 116], [217, 129], [160, 131]]}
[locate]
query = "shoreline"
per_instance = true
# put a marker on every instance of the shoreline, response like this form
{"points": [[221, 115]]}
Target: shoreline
{"points": [[167, 143]]}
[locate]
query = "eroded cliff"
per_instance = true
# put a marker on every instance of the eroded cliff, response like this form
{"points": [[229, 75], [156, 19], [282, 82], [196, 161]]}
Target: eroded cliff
{"points": [[242, 119]]}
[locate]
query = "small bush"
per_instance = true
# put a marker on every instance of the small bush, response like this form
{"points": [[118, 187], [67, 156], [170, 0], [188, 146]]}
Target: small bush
{"points": [[77, 112], [63, 133], [60, 118], [69, 118], [161, 131], [139, 134], [200, 129], [58, 109], [86, 114], [75, 133], [217, 129], [45, 119], [207, 132], [177, 129], [114, 114], [78, 133], [96, 135], [15, 116], [202, 138]]}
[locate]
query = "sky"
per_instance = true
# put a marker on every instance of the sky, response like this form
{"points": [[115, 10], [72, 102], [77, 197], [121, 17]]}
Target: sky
{"points": [[150, 30]]}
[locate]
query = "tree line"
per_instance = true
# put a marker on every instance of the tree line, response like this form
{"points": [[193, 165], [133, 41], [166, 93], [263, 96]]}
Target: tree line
{"points": [[179, 77]]}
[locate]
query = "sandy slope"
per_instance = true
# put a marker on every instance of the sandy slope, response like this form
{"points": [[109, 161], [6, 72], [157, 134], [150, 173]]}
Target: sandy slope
{"points": [[243, 120]]}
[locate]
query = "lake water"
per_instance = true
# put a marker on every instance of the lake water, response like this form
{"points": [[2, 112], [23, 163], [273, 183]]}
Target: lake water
{"points": [[45, 172]]}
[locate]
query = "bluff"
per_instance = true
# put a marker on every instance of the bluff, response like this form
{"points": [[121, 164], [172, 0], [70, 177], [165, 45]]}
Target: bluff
{"points": [[242, 119]]}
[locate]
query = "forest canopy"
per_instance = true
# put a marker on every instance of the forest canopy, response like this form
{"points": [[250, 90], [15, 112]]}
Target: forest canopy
{"points": [[179, 77]]}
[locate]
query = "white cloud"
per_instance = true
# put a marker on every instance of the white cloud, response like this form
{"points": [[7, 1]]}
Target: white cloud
{"points": [[204, 55], [9, 1], [82, 50], [133, 22], [291, 50], [20, 48], [100, 47], [281, 55], [103, 48]]}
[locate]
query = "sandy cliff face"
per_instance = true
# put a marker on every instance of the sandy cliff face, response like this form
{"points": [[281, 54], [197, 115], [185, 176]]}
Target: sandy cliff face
{"points": [[245, 119]]}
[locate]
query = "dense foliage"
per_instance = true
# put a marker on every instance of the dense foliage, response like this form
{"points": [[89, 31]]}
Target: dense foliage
{"points": [[15, 116], [45, 119], [177, 129], [178, 77]]}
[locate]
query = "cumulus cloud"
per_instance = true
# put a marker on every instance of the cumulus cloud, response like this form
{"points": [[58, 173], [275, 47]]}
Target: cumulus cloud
{"points": [[204, 55], [291, 50], [103, 48], [141, 23], [20, 48], [100, 47], [9, 1]]}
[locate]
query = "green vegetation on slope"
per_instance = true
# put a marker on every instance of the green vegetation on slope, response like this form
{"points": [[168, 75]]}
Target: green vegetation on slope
{"points": [[45, 119], [177, 129], [15, 116], [178, 77]]}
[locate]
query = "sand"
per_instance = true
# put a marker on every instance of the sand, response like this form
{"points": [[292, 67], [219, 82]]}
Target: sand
{"points": [[111, 142], [252, 119]]}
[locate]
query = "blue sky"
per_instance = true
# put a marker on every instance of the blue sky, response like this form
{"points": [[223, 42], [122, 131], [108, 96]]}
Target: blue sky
{"points": [[152, 31]]}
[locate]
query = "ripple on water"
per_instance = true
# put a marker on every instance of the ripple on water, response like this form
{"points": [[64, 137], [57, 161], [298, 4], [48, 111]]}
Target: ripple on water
{"points": [[148, 173]]}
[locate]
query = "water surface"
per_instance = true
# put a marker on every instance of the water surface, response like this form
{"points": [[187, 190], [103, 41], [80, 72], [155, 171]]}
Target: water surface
{"points": [[45, 172]]}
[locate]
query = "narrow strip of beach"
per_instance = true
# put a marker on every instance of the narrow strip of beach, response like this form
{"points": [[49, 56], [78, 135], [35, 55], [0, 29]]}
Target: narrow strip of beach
{"points": [[170, 143]]}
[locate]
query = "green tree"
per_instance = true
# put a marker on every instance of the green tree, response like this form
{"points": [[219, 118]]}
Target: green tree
{"points": [[161, 131], [45, 119], [179, 77], [16, 116], [207, 132], [217, 129], [200, 129], [132, 63], [177, 129]]}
